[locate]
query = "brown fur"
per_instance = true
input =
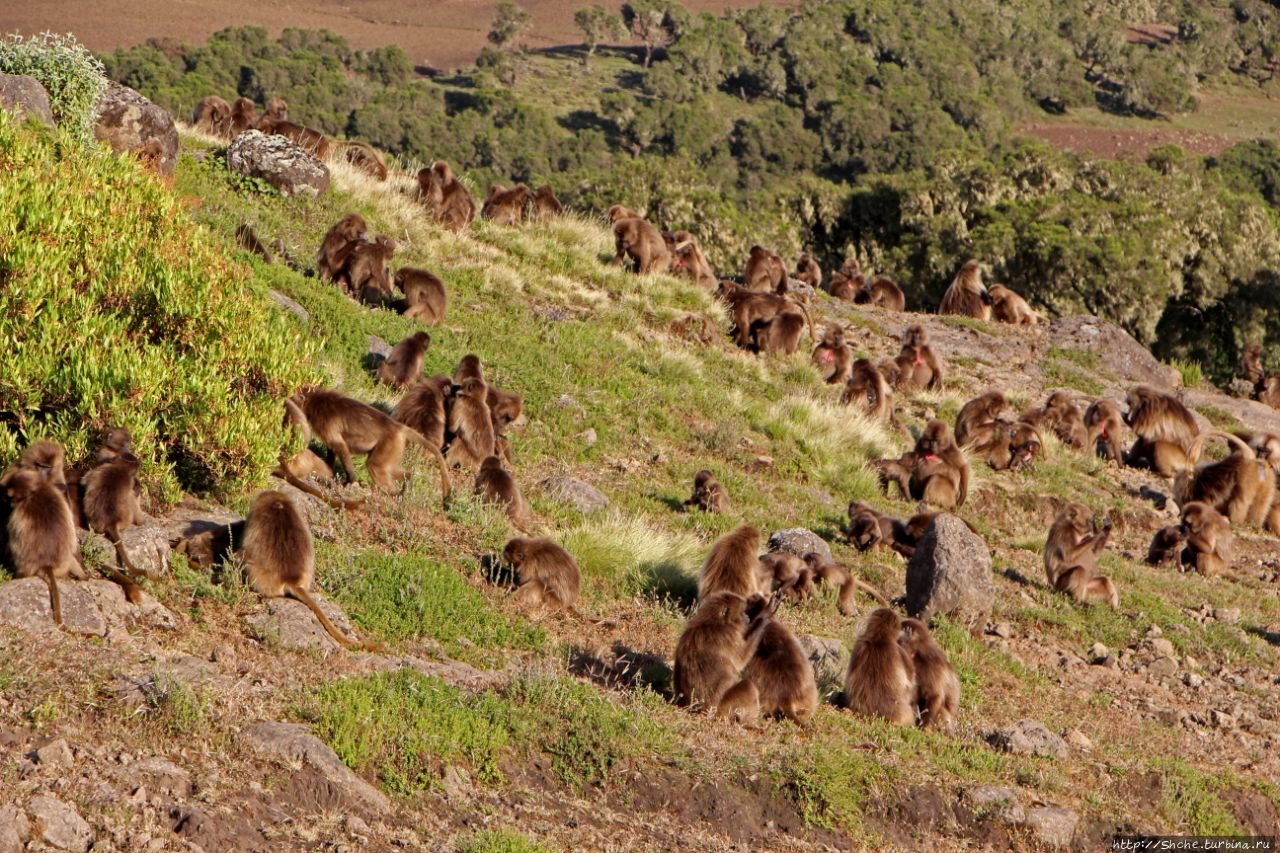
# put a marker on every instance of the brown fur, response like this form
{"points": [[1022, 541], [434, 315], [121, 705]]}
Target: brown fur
{"points": [[1209, 539], [882, 292], [1164, 428], [881, 679], [731, 565], [764, 271], [808, 271], [495, 485], [715, 645], [782, 676], [1270, 391], [244, 115], [1166, 545], [1071, 553], [825, 571], [941, 473], [918, 366], [1061, 415], [277, 108], [749, 311], [247, 239], [868, 527], [299, 468], [708, 494], [937, 685], [548, 575], [279, 556], [364, 157], [868, 390], [786, 574], [1009, 307], [781, 333], [981, 410], [545, 205], [366, 275], [1251, 365], [307, 138], [470, 424], [403, 365], [506, 205], [847, 282], [41, 534], [347, 426], [338, 243], [213, 116], [425, 298], [1242, 487], [618, 212], [832, 356], [445, 196], [967, 295], [641, 242], [687, 260], [1007, 446], [424, 409], [110, 494], [1103, 423]]}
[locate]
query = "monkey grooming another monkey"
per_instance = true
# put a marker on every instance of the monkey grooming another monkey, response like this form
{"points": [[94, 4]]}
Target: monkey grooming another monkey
{"points": [[715, 645], [937, 685], [782, 680], [881, 679], [967, 295], [1103, 424], [881, 292], [708, 494], [337, 245], [279, 556], [1166, 546], [1071, 553]]}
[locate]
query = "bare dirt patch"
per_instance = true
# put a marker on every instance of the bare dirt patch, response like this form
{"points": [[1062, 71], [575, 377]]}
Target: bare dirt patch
{"points": [[1115, 143]]}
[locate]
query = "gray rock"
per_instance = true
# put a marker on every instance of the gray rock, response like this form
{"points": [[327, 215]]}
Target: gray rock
{"points": [[278, 161], [292, 625], [828, 657], [995, 800], [54, 754], [1161, 646], [1053, 826], [1229, 615], [15, 829], [1078, 740], [25, 97], [798, 541], [583, 497], [379, 348], [1121, 355], [59, 824], [1028, 737], [950, 574], [293, 743], [1162, 667], [24, 604], [291, 306], [162, 776], [127, 121]]}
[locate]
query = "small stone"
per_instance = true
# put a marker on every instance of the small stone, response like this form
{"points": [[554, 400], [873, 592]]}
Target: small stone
{"points": [[1229, 615], [798, 541], [1222, 720], [54, 754], [1003, 630], [587, 436], [224, 654], [1162, 647], [1190, 663], [1162, 667], [583, 497], [1192, 680], [1028, 737], [1154, 631], [357, 827], [1098, 654]]}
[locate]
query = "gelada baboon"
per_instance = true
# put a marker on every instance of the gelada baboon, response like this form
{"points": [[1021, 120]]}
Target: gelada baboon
{"points": [[1008, 447], [337, 245], [750, 313], [808, 271], [781, 332], [1241, 486], [364, 157], [967, 295], [833, 356], [980, 411], [110, 494], [277, 108], [41, 533], [642, 243], [403, 365], [425, 299], [424, 408], [764, 271], [1009, 307], [708, 494], [868, 527], [1164, 428], [307, 138], [825, 571], [785, 573], [548, 575], [846, 283], [936, 471], [1269, 393], [1060, 414], [1209, 539], [868, 391], [244, 115], [918, 366], [881, 679], [298, 469], [545, 204], [1071, 554], [1166, 546], [495, 485], [506, 205], [731, 565], [348, 426], [716, 643], [472, 436], [1103, 425], [213, 116], [440, 191], [780, 678], [937, 685], [279, 556], [366, 275], [1251, 365], [882, 292], [687, 260], [248, 239]]}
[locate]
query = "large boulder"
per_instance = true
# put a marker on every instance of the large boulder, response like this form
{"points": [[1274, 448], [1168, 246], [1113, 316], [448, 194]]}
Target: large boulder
{"points": [[279, 161], [25, 96], [950, 574], [127, 121], [330, 784], [1121, 355]]}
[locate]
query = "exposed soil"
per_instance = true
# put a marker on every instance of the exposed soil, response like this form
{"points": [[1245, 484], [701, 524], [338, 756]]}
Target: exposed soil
{"points": [[1115, 143]]}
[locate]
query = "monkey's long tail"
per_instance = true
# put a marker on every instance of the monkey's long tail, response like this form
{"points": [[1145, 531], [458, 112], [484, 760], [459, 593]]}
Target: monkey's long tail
{"points": [[813, 334], [55, 597], [342, 640], [314, 491], [445, 487], [845, 599]]}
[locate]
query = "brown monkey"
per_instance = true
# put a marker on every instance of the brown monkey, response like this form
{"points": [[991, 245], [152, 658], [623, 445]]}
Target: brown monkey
{"points": [[981, 410], [548, 575], [882, 292], [618, 212], [495, 485], [277, 108], [782, 678], [111, 505], [296, 470], [967, 295], [1071, 553], [1009, 307], [366, 275], [213, 116], [731, 565], [716, 643], [781, 332], [247, 239], [687, 260], [918, 365], [445, 196], [808, 271], [307, 138], [364, 157], [41, 533], [1240, 486], [1060, 414], [338, 243], [750, 311], [1251, 365], [764, 271], [941, 473], [881, 680], [868, 390], [424, 408], [640, 241], [425, 298], [48, 459], [708, 494], [505, 407], [470, 424], [244, 115], [1269, 393], [1209, 539], [1103, 424], [825, 571], [833, 356], [506, 205], [1164, 428], [279, 556], [937, 685], [847, 282], [348, 426], [403, 365], [868, 527], [785, 573], [545, 204], [1166, 545], [1007, 447]]}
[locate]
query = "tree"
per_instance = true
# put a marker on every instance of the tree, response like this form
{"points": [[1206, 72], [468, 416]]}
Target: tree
{"points": [[510, 21], [657, 23], [597, 23]]}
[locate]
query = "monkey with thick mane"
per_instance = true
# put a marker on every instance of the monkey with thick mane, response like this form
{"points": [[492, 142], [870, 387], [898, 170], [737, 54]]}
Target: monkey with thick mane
{"points": [[967, 295]]}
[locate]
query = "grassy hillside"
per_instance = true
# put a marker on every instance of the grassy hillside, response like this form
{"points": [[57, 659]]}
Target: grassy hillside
{"points": [[493, 733]]}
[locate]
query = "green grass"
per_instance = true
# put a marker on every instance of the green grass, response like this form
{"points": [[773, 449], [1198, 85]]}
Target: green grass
{"points": [[500, 841]]}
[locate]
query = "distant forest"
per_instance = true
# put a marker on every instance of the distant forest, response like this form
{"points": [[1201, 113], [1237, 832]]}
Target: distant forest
{"points": [[879, 129]]}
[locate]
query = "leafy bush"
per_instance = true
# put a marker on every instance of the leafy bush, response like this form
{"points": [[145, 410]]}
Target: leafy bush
{"points": [[72, 75], [116, 310]]}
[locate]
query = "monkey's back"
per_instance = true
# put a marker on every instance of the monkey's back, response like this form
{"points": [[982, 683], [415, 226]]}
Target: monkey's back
{"points": [[704, 664], [783, 675], [42, 534], [109, 499], [880, 681], [277, 546]]}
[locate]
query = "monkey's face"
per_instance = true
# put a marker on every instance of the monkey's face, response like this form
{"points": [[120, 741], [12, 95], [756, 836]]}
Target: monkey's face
{"points": [[513, 554]]}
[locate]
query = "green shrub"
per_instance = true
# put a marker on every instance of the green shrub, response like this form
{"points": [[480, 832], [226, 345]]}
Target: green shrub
{"points": [[116, 310], [72, 75]]}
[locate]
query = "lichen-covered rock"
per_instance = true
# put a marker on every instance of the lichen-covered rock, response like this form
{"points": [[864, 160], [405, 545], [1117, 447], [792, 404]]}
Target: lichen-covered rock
{"points": [[59, 824], [292, 624], [1028, 737], [25, 97], [127, 121], [583, 497], [950, 574], [798, 541], [91, 607], [278, 161], [1125, 358]]}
